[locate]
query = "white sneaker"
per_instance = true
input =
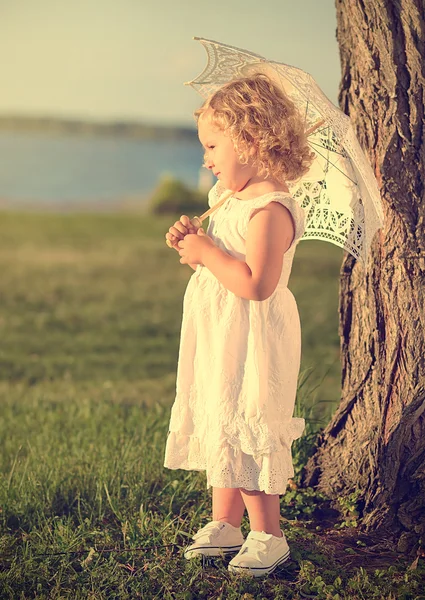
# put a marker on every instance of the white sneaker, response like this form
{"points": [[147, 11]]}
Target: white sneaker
{"points": [[261, 553], [216, 538]]}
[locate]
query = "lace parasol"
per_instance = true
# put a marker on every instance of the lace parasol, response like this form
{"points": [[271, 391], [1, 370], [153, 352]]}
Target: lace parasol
{"points": [[339, 194]]}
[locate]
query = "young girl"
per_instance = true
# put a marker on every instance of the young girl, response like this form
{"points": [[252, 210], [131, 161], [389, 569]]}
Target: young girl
{"points": [[240, 341]]}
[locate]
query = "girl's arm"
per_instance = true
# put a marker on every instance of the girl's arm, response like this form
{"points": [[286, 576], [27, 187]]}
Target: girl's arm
{"points": [[270, 233], [233, 273]]}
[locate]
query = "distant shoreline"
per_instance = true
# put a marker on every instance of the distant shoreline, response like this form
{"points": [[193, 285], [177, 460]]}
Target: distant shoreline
{"points": [[137, 204], [80, 127]]}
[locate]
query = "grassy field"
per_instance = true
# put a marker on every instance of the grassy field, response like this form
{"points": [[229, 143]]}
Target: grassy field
{"points": [[90, 321]]}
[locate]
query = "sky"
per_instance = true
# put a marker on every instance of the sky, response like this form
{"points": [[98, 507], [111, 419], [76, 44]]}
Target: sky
{"points": [[103, 60]]}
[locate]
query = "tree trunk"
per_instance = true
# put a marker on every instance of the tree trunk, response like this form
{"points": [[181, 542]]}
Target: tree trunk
{"points": [[375, 442]]}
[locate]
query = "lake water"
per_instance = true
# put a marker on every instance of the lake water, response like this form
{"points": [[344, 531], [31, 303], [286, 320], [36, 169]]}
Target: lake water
{"points": [[45, 169]]}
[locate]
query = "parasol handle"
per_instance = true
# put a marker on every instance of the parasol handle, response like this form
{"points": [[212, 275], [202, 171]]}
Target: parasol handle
{"points": [[197, 221], [315, 126]]}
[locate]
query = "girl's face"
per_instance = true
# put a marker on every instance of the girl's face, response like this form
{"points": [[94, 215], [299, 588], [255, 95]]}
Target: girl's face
{"points": [[220, 155]]}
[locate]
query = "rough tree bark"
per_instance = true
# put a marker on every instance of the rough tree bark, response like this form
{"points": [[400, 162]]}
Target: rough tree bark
{"points": [[375, 442]]}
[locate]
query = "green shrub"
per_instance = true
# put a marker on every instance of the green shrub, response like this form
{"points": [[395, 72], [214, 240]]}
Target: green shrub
{"points": [[174, 197]]}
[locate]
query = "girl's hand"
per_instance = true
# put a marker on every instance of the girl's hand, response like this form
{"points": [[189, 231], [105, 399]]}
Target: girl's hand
{"points": [[179, 230], [193, 247]]}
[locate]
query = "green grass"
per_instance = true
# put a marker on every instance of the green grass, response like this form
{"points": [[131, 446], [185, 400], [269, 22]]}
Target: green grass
{"points": [[89, 323]]}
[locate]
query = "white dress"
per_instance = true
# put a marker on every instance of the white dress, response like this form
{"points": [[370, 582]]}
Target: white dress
{"points": [[238, 367]]}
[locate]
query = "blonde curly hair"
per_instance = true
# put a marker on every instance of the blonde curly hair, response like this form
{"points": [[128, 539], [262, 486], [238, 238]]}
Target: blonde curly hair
{"points": [[257, 114]]}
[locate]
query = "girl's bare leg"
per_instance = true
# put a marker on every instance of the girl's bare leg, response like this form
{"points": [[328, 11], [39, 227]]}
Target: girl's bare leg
{"points": [[228, 505], [263, 511]]}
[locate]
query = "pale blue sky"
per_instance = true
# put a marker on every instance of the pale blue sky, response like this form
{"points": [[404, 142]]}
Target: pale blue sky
{"points": [[128, 59]]}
